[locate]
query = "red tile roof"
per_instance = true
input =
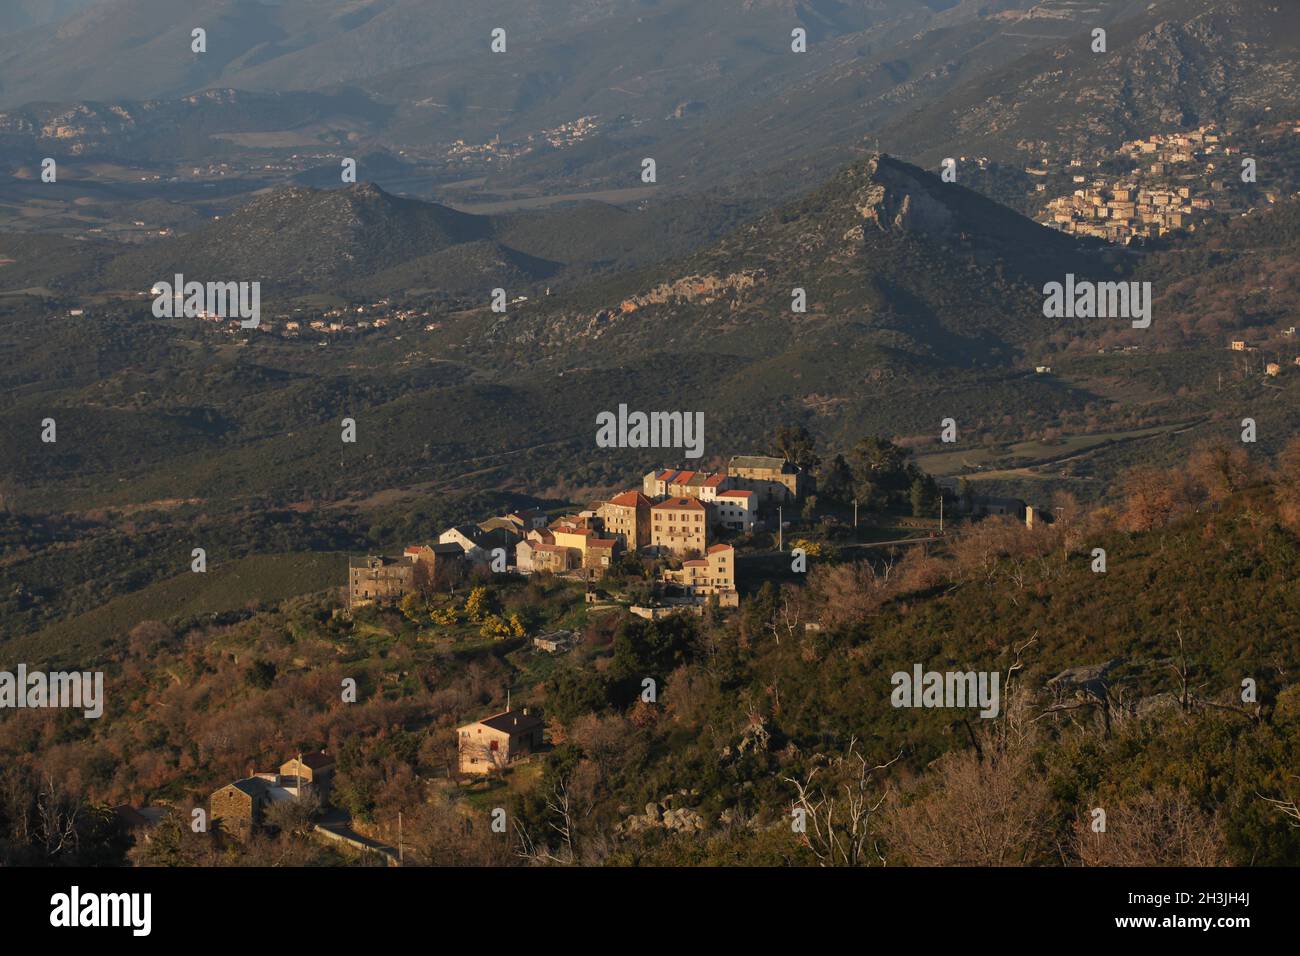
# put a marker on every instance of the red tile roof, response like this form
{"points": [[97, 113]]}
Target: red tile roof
{"points": [[680, 504], [735, 494], [719, 547], [629, 499]]}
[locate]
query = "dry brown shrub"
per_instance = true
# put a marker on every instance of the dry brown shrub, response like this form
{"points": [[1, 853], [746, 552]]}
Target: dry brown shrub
{"points": [[1152, 829]]}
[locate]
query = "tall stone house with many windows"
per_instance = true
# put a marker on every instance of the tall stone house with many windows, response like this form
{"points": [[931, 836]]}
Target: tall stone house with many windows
{"points": [[680, 526], [627, 517], [774, 480], [378, 579], [712, 574]]}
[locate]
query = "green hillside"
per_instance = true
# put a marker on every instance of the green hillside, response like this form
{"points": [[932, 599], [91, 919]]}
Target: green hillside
{"points": [[226, 587]]}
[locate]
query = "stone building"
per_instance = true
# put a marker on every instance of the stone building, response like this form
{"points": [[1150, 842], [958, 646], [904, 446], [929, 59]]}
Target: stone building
{"points": [[495, 742], [680, 526], [713, 574], [773, 480], [627, 517], [376, 579], [313, 771], [237, 808], [736, 510], [601, 554], [550, 557]]}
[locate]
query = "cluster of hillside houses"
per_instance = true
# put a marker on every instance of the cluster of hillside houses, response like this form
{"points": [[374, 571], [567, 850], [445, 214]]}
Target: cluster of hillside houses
{"points": [[240, 808], [1159, 197], [1120, 212], [675, 513]]}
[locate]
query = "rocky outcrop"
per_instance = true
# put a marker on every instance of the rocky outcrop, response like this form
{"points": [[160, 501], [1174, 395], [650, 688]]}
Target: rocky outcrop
{"points": [[697, 289], [1089, 680], [664, 816]]}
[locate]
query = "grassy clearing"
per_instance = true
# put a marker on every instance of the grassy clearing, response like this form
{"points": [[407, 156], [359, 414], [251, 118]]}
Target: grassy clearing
{"points": [[230, 586]]}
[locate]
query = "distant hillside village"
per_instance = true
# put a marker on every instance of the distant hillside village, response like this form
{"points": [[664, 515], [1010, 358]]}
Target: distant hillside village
{"points": [[1179, 180], [676, 514], [304, 785], [673, 521]]}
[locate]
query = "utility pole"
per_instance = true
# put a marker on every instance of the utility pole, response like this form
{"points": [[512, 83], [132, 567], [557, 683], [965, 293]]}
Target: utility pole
{"points": [[855, 514], [941, 512], [780, 529], [400, 855]]}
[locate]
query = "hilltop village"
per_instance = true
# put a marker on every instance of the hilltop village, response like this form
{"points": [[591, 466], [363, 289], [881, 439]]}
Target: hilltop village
{"points": [[677, 517], [1177, 181], [667, 547]]}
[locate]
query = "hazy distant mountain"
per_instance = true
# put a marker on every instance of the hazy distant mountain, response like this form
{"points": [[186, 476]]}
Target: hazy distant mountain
{"points": [[887, 254], [198, 126], [141, 48], [570, 56], [711, 90], [18, 15], [303, 239], [1177, 63]]}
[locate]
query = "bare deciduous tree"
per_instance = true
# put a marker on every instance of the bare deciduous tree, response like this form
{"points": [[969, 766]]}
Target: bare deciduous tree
{"points": [[837, 802], [1152, 829]]}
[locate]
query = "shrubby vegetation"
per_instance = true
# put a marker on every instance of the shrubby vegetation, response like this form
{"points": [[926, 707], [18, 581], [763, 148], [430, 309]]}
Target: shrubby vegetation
{"points": [[782, 707]]}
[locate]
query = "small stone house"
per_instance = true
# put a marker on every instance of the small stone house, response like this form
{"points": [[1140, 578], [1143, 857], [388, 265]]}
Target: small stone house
{"points": [[313, 771], [237, 808], [495, 742]]}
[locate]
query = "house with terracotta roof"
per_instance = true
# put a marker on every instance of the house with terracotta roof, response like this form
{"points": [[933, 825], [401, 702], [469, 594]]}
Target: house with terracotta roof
{"points": [[524, 549], [685, 484], [548, 557], [680, 526], [736, 510], [575, 539], [712, 485], [495, 742], [627, 517], [655, 483], [677, 483], [712, 574], [601, 554]]}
